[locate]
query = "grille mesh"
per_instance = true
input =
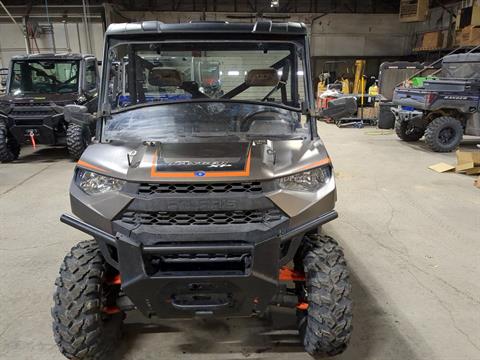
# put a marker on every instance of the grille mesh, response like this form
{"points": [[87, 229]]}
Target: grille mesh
{"points": [[32, 112], [240, 187], [202, 218]]}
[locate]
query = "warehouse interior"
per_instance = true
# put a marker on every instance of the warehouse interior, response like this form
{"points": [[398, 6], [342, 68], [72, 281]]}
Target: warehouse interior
{"points": [[388, 95]]}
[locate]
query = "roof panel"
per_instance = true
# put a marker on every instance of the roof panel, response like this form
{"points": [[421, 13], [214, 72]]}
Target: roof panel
{"points": [[52, 56], [260, 27]]}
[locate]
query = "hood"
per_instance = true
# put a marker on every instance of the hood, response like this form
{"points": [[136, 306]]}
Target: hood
{"points": [[188, 162]]}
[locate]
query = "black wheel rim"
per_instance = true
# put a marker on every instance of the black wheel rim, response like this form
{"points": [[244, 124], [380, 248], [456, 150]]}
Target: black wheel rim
{"points": [[446, 135], [411, 129]]}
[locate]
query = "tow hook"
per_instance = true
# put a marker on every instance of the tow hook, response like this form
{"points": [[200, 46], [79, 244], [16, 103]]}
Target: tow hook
{"points": [[32, 139]]}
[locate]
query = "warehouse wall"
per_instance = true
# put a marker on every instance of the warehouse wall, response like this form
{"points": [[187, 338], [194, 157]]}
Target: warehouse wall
{"points": [[360, 35], [332, 34], [14, 43]]}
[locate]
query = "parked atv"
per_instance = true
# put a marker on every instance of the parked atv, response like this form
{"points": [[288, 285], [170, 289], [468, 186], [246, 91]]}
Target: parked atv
{"points": [[444, 109], [38, 88], [203, 205]]}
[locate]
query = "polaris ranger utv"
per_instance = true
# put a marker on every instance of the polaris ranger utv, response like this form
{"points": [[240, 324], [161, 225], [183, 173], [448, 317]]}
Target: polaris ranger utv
{"points": [[205, 204], [442, 109], [38, 88]]}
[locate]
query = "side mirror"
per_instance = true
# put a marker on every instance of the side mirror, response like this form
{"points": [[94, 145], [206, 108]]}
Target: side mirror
{"points": [[78, 114], [99, 62], [3, 82]]}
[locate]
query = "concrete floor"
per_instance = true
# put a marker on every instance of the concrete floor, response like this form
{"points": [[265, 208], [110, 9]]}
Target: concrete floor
{"points": [[411, 237]]}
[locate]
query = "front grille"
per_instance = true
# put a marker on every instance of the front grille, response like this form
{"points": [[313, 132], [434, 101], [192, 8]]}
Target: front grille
{"points": [[29, 122], [32, 112], [202, 218], [26, 104], [238, 187]]}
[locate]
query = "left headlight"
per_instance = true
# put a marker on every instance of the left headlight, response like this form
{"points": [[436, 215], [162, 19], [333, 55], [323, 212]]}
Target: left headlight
{"points": [[310, 180], [93, 183]]}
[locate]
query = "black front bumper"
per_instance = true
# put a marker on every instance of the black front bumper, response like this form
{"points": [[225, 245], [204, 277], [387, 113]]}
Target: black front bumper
{"points": [[44, 122], [233, 277]]}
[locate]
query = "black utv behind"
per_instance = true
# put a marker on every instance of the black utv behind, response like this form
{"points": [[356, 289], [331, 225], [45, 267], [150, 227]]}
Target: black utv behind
{"points": [[37, 88], [443, 109]]}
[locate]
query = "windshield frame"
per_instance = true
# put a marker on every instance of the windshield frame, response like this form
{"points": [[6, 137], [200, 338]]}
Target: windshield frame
{"points": [[79, 75], [299, 42], [297, 50]]}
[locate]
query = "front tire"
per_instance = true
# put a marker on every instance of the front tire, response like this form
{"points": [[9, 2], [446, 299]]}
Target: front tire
{"points": [[444, 134], [407, 131], [9, 147], [81, 328], [78, 138], [326, 326]]}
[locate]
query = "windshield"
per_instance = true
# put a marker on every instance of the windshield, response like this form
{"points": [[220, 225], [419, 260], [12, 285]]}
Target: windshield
{"points": [[44, 77], [461, 70], [178, 122], [269, 72]]}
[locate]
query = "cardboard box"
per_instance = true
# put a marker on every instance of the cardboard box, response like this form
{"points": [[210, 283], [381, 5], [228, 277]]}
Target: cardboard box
{"points": [[442, 167], [467, 161], [470, 36], [464, 19], [369, 112], [432, 40]]}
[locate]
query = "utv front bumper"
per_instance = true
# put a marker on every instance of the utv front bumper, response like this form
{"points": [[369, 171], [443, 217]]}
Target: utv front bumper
{"points": [[43, 121], [236, 276]]}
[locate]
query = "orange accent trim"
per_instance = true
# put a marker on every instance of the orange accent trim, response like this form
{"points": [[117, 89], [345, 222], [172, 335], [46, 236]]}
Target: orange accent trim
{"points": [[90, 166], [302, 306], [317, 164], [116, 280], [111, 310], [287, 274], [191, 174]]}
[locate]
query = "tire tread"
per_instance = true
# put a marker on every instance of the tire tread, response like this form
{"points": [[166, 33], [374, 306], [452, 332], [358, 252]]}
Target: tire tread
{"points": [[9, 148], [328, 322], [77, 140], [431, 133], [78, 328]]}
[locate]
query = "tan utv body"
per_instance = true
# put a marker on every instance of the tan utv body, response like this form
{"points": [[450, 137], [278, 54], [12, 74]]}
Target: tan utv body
{"points": [[206, 189]]}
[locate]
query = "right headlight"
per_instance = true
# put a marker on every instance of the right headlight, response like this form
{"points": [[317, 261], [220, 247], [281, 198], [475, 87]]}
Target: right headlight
{"points": [[310, 180], [93, 183]]}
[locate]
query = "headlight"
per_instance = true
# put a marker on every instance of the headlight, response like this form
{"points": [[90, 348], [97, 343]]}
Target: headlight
{"points": [[310, 180], [93, 183]]}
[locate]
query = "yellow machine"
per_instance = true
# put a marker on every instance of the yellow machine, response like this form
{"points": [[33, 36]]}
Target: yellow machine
{"points": [[358, 84]]}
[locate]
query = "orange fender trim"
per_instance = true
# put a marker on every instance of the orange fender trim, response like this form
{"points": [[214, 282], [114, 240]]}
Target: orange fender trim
{"points": [[287, 274]]}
